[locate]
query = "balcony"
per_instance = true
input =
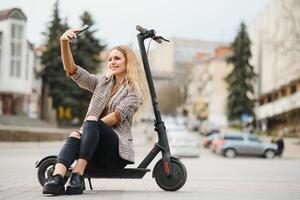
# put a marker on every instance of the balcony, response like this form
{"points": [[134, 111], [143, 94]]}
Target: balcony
{"points": [[279, 106]]}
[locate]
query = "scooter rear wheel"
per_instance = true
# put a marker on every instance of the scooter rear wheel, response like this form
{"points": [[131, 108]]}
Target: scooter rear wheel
{"points": [[174, 182]]}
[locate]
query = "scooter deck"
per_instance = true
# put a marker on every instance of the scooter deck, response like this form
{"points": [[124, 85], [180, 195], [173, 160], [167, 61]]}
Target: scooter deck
{"points": [[130, 173]]}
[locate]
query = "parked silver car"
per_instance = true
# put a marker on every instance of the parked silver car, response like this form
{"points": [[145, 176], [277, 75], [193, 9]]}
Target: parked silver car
{"points": [[232, 144]]}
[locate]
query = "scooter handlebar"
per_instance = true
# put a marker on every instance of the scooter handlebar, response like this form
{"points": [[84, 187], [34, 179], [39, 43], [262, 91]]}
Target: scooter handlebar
{"points": [[141, 29]]}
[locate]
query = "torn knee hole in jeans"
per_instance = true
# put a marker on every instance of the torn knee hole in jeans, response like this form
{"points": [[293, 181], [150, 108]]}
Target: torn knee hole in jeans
{"points": [[75, 134]]}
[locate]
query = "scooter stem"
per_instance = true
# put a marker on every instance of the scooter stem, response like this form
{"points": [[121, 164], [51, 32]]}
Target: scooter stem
{"points": [[159, 124], [141, 39]]}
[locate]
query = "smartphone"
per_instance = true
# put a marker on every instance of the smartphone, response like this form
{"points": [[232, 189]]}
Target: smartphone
{"points": [[82, 29]]}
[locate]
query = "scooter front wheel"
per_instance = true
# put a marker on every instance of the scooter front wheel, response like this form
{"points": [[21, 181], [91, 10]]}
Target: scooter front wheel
{"points": [[46, 170], [174, 182]]}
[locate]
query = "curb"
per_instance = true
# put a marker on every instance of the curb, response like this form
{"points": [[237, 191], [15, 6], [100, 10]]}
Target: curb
{"points": [[18, 133]]}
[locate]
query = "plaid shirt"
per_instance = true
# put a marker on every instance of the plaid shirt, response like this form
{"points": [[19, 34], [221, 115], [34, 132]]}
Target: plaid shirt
{"points": [[124, 102]]}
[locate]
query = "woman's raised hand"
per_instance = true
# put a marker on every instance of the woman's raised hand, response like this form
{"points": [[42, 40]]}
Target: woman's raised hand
{"points": [[69, 35], [66, 54]]}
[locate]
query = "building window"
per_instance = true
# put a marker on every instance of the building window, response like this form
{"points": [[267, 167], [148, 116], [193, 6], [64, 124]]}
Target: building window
{"points": [[0, 51], [16, 31], [17, 15], [293, 88], [27, 65], [275, 96], [16, 50], [13, 31], [269, 98], [283, 92], [261, 101]]}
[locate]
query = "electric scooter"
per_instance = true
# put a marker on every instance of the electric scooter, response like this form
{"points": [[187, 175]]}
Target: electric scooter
{"points": [[169, 172]]}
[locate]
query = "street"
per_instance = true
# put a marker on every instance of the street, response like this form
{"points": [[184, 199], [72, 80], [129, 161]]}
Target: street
{"points": [[209, 176]]}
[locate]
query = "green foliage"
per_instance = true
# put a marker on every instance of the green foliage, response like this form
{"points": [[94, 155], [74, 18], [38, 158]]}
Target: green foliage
{"points": [[53, 73], [241, 79], [86, 51]]}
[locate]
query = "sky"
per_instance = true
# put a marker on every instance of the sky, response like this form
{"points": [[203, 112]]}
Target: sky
{"points": [[214, 20]]}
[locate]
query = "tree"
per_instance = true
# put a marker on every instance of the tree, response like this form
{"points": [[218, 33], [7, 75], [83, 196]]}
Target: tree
{"points": [[53, 75], [86, 51], [241, 79]]}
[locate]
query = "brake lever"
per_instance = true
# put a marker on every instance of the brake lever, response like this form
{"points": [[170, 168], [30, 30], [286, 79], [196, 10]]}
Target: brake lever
{"points": [[164, 39], [160, 38]]}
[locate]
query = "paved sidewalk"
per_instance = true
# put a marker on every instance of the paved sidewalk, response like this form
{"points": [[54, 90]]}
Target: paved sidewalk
{"points": [[210, 177], [292, 148]]}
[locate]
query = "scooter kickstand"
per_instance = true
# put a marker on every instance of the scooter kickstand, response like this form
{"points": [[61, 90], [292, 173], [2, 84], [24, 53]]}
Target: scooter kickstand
{"points": [[90, 183]]}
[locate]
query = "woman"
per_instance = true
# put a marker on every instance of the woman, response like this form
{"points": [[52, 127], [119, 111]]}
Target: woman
{"points": [[105, 138]]}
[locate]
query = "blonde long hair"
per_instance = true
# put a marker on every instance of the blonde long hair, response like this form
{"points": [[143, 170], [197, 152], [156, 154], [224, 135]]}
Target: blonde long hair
{"points": [[135, 75]]}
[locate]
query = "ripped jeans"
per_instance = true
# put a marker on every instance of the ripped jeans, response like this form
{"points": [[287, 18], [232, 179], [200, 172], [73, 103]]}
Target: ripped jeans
{"points": [[99, 145]]}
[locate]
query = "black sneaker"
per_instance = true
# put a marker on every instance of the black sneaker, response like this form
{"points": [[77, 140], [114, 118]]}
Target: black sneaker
{"points": [[54, 186], [76, 185]]}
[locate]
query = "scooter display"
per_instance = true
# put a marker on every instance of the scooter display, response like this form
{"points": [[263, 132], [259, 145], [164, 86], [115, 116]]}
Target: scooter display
{"points": [[169, 172]]}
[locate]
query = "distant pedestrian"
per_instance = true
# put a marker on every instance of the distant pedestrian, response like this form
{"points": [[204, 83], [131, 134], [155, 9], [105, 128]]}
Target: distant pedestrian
{"points": [[280, 144]]}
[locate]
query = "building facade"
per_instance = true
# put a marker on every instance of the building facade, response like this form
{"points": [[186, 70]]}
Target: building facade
{"points": [[275, 36], [207, 92], [175, 60], [19, 90]]}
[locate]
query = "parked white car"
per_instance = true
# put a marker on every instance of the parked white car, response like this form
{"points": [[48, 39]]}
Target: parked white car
{"points": [[182, 142]]}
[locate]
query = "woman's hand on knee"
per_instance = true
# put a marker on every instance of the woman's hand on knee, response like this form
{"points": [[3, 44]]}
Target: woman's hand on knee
{"points": [[92, 118]]}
